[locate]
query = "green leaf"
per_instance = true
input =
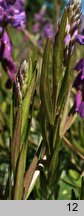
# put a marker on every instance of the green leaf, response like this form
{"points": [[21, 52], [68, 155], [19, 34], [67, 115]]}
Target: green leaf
{"points": [[45, 89], [26, 106], [58, 54], [64, 115], [28, 185], [29, 175], [64, 84]]}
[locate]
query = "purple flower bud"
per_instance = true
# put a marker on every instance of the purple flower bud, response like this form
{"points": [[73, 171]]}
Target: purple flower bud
{"points": [[67, 40]]}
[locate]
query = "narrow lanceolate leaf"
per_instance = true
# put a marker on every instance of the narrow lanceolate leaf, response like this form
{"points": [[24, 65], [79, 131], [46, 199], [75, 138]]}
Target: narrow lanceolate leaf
{"points": [[26, 104], [15, 142], [64, 84], [44, 83], [64, 115], [18, 187], [59, 49], [30, 172], [29, 175]]}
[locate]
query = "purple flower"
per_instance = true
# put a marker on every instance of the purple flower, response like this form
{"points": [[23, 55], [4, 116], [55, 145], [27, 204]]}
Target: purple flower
{"points": [[79, 103], [5, 47], [5, 55], [36, 27], [67, 40], [42, 26], [12, 11], [79, 85], [18, 20], [78, 100], [81, 110], [80, 67], [77, 82], [80, 39], [48, 30]]}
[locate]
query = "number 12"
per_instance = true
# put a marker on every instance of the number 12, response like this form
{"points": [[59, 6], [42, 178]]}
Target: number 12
{"points": [[72, 206]]}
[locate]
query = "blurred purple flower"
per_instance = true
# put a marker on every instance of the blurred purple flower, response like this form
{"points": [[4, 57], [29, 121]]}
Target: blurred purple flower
{"points": [[79, 103], [80, 67], [77, 82], [5, 47], [5, 55], [79, 85], [48, 30], [80, 39], [12, 11], [43, 25], [36, 27]]}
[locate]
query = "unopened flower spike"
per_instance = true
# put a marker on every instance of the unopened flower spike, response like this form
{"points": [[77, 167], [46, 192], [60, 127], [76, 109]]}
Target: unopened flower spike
{"points": [[23, 78], [72, 26], [18, 90]]}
